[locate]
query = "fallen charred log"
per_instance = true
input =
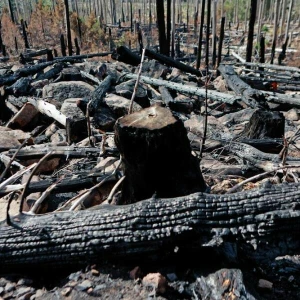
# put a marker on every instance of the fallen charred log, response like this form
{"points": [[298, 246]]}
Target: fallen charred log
{"points": [[259, 159], [252, 97], [263, 222]]}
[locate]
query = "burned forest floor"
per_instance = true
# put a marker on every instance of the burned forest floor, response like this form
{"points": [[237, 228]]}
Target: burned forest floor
{"points": [[58, 118]]}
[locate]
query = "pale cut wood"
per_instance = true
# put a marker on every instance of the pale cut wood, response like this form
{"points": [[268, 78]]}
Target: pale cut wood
{"points": [[214, 95], [49, 109]]}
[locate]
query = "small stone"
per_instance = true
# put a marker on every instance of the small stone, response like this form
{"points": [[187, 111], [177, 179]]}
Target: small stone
{"points": [[25, 281], [136, 273], [27, 296], [1, 290], [291, 115], [3, 282], [9, 287], [99, 287], [23, 290], [66, 291], [8, 296], [59, 136], [39, 293], [157, 281], [291, 278], [265, 284], [75, 276], [120, 105], [72, 284], [86, 284], [95, 272], [67, 89], [90, 290]]}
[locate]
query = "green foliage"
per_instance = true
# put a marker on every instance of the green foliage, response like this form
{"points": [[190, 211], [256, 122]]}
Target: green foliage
{"points": [[230, 6], [265, 29]]}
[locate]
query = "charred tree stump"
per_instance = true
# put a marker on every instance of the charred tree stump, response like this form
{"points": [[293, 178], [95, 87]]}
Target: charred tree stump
{"points": [[156, 155], [265, 124], [252, 97]]}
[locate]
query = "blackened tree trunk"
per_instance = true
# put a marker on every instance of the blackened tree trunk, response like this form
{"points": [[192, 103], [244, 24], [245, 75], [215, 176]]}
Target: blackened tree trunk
{"points": [[214, 33], [262, 53], [173, 30], [1, 41], [11, 11], [200, 35], [260, 17], [251, 30], [160, 11], [68, 27], [288, 20], [221, 42], [131, 17], [275, 31], [207, 33], [168, 25]]}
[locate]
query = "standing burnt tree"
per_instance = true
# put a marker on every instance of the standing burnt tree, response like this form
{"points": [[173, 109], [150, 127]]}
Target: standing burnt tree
{"points": [[251, 30], [68, 27], [160, 11]]}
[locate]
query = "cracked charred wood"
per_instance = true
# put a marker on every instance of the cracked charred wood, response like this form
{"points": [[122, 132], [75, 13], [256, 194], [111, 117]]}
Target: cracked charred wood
{"points": [[56, 69], [125, 55], [37, 151], [264, 124], [31, 70], [21, 87], [262, 160], [253, 98], [5, 112], [165, 95], [82, 56], [186, 89], [168, 61], [222, 284], [288, 100], [94, 100], [266, 144], [263, 223], [156, 155], [73, 184]]}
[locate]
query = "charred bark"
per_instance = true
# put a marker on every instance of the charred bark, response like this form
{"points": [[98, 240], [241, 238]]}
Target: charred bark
{"points": [[267, 220], [156, 155], [264, 124], [160, 11], [252, 97]]}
